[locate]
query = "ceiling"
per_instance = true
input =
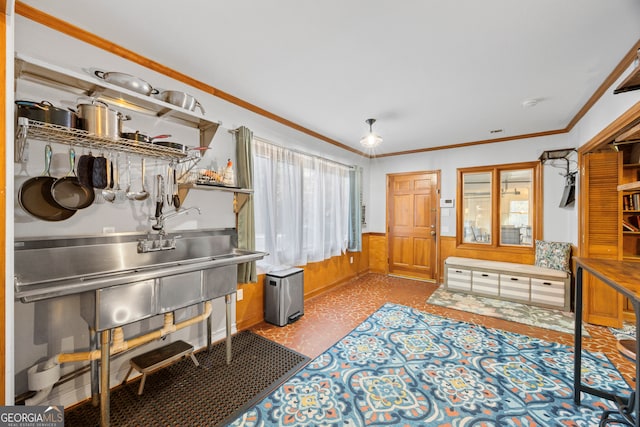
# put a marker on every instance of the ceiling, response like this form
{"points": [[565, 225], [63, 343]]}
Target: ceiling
{"points": [[433, 73]]}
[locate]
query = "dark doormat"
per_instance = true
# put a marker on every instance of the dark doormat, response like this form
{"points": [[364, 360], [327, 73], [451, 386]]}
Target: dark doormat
{"points": [[212, 394]]}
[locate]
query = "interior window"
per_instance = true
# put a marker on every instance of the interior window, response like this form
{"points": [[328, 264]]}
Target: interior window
{"points": [[515, 201], [500, 205], [476, 188]]}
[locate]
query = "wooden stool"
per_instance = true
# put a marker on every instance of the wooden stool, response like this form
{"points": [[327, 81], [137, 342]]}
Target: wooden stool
{"points": [[159, 358]]}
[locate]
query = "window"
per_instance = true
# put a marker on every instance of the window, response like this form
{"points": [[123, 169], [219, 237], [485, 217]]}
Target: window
{"points": [[501, 205], [302, 206]]}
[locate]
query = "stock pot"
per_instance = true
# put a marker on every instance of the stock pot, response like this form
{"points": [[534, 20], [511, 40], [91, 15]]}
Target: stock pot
{"points": [[101, 120], [181, 99], [45, 112]]}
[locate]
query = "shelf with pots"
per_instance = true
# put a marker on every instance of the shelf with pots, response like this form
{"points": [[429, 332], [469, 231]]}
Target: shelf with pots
{"points": [[89, 85]]}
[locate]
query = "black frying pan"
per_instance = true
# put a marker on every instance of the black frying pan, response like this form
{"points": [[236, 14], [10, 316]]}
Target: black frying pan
{"points": [[173, 145], [68, 192], [137, 136], [35, 195]]}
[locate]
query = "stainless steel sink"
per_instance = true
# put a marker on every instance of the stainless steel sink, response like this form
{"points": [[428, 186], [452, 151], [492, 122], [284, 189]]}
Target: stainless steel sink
{"points": [[120, 285]]}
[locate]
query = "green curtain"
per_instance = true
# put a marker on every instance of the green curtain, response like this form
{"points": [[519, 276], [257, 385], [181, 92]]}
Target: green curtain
{"points": [[355, 209], [246, 222]]}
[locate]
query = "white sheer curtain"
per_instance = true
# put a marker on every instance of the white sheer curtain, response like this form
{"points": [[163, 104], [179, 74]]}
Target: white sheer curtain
{"points": [[301, 206]]}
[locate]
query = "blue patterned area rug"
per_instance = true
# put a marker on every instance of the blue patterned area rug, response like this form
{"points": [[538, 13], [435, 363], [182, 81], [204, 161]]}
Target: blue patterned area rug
{"points": [[557, 320], [403, 367], [627, 332]]}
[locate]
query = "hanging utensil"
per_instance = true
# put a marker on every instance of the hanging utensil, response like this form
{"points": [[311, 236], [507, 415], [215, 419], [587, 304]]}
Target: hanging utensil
{"points": [[159, 195], [169, 189], [121, 195], [143, 194], [68, 192], [108, 193], [85, 169], [21, 145], [35, 195], [99, 172], [176, 198]]}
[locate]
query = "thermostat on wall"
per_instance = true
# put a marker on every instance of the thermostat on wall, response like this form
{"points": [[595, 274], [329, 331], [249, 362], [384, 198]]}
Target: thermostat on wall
{"points": [[446, 203]]}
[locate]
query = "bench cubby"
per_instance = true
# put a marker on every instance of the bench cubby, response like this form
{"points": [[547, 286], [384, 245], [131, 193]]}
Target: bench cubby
{"points": [[523, 283]]}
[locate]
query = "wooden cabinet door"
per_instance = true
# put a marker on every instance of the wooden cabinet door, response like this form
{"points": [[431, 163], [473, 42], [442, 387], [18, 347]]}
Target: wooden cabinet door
{"points": [[600, 238]]}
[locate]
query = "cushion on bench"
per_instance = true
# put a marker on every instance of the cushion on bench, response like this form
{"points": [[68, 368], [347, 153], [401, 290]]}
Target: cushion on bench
{"points": [[556, 255], [510, 267]]}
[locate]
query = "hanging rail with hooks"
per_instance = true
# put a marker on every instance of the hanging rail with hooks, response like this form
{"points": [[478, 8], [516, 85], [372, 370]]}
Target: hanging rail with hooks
{"points": [[78, 137]]}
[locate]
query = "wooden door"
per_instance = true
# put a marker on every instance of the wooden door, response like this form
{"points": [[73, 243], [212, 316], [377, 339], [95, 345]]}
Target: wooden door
{"points": [[412, 215], [601, 202]]}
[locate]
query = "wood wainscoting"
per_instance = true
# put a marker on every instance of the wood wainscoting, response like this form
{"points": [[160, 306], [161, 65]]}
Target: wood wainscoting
{"points": [[319, 277], [448, 248], [378, 253]]}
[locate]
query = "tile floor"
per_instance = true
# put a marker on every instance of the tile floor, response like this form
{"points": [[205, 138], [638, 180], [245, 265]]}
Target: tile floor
{"points": [[332, 315]]}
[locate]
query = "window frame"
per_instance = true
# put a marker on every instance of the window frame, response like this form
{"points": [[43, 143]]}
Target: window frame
{"points": [[537, 210]]}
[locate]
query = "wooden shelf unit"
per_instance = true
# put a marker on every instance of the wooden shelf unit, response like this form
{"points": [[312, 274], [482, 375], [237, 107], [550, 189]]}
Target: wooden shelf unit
{"points": [[630, 214], [629, 190]]}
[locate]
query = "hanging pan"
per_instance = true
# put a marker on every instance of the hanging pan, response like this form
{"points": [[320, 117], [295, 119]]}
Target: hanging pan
{"points": [[68, 191], [35, 195]]}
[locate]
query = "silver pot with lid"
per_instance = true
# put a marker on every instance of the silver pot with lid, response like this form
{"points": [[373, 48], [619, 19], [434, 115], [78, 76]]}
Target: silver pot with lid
{"points": [[181, 99], [98, 118], [126, 81]]}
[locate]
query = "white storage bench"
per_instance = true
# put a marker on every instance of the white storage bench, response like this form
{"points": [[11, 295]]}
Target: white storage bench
{"points": [[524, 283]]}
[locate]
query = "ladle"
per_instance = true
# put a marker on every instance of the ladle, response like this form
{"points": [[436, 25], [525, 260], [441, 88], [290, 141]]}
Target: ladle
{"points": [[143, 194], [121, 195], [108, 193], [130, 194]]}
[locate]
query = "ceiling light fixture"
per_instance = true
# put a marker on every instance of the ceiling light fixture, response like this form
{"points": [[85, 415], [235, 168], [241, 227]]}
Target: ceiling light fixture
{"points": [[371, 140]]}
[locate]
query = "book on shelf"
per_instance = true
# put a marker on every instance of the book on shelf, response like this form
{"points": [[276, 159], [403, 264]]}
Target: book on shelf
{"points": [[627, 226], [631, 202]]}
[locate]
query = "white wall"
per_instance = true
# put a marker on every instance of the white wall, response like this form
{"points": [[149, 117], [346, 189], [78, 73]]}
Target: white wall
{"points": [[606, 110], [560, 224], [558, 221]]}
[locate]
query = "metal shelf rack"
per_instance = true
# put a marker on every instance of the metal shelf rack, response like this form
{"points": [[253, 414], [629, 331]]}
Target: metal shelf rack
{"points": [[64, 135]]}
